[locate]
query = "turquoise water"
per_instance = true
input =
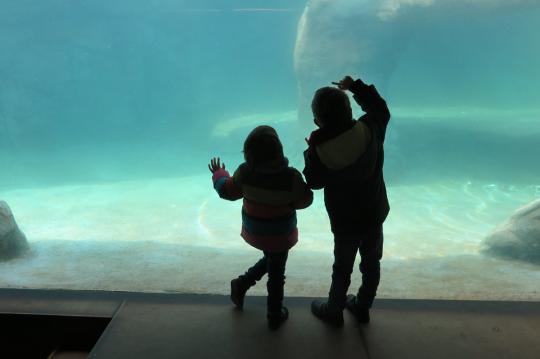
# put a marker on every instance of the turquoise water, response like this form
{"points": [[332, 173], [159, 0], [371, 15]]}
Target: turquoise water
{"points": [[99, 91], [110, 111]]}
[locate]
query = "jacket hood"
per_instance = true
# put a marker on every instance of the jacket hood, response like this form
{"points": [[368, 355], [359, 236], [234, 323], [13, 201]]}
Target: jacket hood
{"points": [[346, 148]]}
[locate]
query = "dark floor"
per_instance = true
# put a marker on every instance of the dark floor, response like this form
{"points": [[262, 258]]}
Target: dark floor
{"points": [[206, 326]]}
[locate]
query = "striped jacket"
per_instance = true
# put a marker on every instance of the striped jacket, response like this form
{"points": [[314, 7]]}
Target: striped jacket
{"points": [[271, 197]]}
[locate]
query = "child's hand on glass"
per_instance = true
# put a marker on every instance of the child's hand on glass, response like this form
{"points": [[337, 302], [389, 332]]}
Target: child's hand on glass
{"points": [[215, 165], [345, 83]]}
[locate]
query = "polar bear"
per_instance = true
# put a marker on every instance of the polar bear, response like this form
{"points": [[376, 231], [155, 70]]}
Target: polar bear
{"points": [[368, 38]]}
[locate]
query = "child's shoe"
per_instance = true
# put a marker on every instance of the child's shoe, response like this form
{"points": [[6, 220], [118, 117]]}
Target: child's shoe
{"points": [[238, 292], [320, 310], [275, 319], [361, 314]]}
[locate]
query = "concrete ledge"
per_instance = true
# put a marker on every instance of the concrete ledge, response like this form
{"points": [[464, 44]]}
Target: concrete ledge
{"points": [[163, 325]]}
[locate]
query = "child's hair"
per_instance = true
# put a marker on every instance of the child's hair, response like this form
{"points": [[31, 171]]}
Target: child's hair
{"points": [[331, 107], [262, 145]]}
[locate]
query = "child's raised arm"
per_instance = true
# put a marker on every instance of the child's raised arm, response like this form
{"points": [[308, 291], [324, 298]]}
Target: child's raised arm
{"points": [[223, 183], [369, 100], [372, 103]]}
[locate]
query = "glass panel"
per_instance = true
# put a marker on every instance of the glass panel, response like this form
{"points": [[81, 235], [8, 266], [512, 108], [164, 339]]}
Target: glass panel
{"points": [[110, 112]]}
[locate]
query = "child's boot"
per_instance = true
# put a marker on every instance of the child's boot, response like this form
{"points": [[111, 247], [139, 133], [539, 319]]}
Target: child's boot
{"points": [[275, 319], [239, 287], [361, 314], [322, 311]]}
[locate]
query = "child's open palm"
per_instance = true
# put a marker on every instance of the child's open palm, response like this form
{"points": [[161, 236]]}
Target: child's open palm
{"points": [[215, 165]]}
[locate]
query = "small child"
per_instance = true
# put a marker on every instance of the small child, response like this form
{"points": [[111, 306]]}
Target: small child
{"points": [[272, 193], [346, 157]]}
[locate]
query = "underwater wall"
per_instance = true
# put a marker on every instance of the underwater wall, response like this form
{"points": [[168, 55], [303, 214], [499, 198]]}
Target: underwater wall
{"points": [[110, 112]]}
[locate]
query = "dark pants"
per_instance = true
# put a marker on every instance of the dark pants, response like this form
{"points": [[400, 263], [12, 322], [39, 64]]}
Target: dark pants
{"points": [[274, 265], [370, 246]]}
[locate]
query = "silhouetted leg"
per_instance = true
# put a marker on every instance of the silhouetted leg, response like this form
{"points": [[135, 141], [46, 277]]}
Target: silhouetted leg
{"points": [[276, 279], [345, 248], [255, 273], [371, 251]]}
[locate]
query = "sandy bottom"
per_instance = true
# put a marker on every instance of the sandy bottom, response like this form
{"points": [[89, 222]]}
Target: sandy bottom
{"points": [[177, 235]]}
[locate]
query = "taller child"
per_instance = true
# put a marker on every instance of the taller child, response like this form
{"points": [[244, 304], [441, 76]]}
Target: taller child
{"points": [[346, 157]]}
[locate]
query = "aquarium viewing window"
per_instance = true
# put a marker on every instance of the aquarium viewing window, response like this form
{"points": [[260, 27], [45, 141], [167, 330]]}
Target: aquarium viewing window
{"points": [[111, 110]]}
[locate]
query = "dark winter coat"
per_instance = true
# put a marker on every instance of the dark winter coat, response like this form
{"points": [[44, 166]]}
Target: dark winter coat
{"points": [[348, 164]]}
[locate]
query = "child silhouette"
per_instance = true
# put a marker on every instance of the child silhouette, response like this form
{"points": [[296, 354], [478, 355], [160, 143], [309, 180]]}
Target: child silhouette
{"points": [[346, 157], [272, 192]]}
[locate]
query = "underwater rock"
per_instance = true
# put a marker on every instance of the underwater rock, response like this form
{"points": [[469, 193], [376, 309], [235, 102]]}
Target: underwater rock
{"points": [[519, 237], [12, 241]]}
